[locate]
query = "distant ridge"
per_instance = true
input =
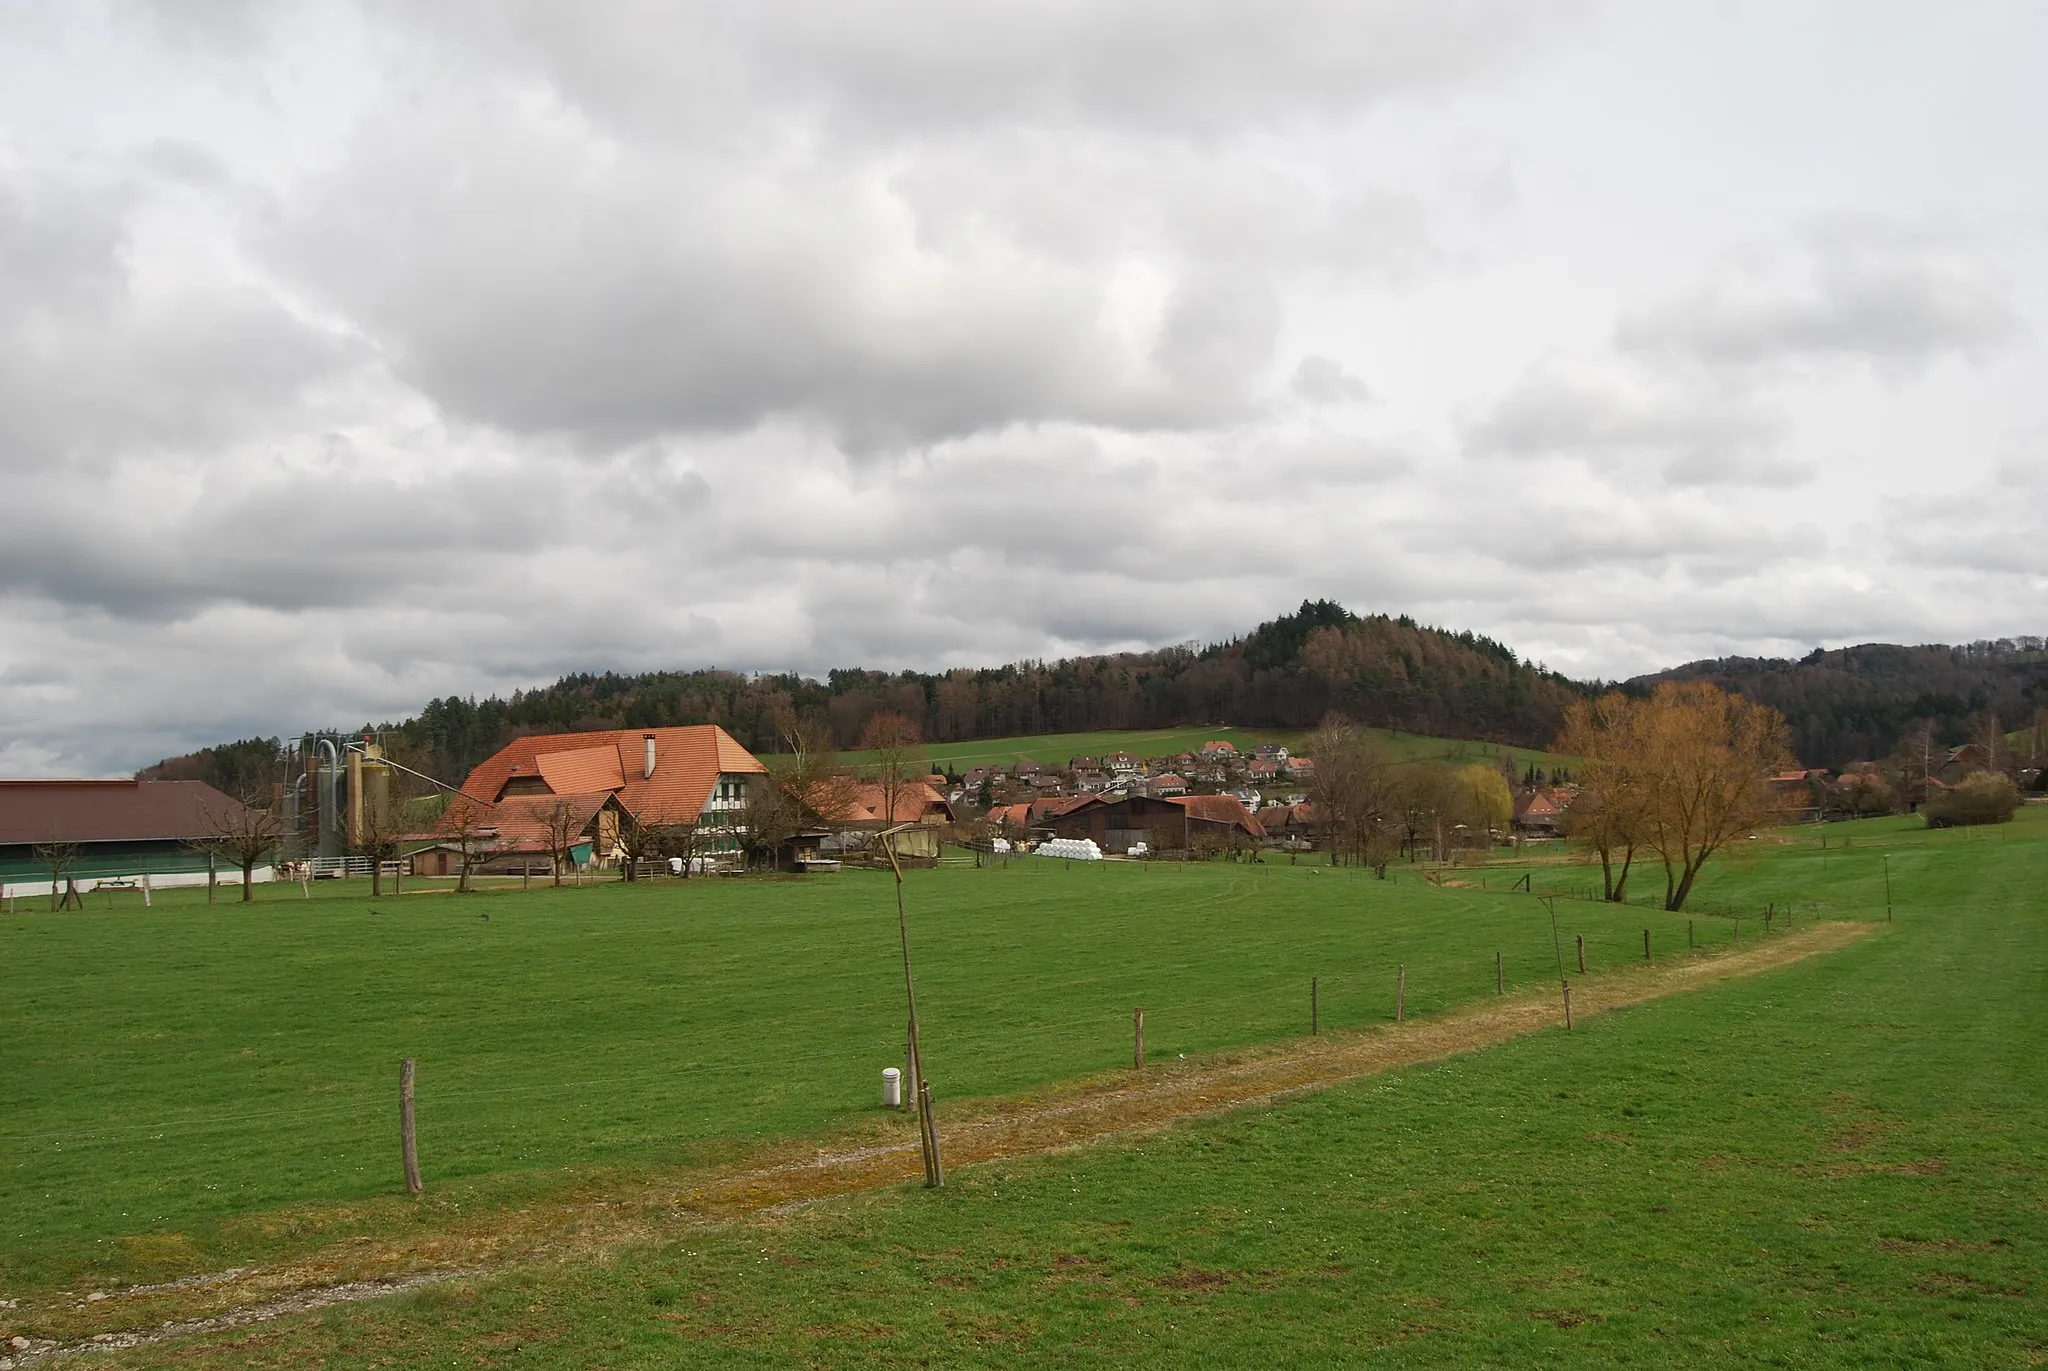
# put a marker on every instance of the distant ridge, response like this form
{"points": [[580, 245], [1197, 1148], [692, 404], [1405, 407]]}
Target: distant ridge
{"points": [[1382, 670], [1858, 703], [1388, 671]]}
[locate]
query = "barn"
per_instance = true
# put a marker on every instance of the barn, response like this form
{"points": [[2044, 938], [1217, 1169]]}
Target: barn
{"points": [[1163, 823], [111, 831]]}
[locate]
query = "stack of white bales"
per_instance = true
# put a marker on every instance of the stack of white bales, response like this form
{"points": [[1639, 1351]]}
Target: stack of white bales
{"points": [[1075, 849]]}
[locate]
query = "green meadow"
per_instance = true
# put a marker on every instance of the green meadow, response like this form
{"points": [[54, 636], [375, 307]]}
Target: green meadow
{"points": [[1839, 1163], [1843, 1163], [171, 1067]]}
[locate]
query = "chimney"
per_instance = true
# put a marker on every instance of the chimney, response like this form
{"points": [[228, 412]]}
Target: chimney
{"points": [[649, 772]]}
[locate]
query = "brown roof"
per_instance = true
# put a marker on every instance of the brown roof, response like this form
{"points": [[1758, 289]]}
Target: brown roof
{"points": [[914, 802], [1219, 809], [585, 770], [522, 820], [687, 764], [109, 811]]}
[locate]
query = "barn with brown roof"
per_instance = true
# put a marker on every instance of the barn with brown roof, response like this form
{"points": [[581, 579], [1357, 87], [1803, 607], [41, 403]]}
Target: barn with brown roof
{"points": [[1163, 823], [120, 830]]}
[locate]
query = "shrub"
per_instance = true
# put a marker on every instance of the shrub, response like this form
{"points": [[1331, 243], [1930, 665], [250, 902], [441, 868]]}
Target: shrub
{"points": [[1986, 797]]}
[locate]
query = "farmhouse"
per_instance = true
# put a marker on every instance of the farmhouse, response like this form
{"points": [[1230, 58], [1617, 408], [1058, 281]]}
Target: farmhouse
{"points": [[1165, 825], [593, 784], [117, 830], [1538, 814]]}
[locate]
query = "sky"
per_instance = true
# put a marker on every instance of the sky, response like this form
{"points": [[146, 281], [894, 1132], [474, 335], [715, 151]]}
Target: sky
{"points": [[353, 354]]}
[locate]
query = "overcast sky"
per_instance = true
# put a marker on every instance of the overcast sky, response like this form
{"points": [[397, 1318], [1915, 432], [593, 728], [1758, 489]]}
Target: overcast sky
{"points": [[353, 354]]}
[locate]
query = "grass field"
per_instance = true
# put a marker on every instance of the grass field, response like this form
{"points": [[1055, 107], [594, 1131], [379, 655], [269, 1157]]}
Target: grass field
{"points": [[174, 1067], [1837, 1164], [1055, 749]]}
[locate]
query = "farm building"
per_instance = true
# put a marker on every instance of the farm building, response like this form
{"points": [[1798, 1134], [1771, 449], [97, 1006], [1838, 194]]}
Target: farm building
{"points": [[1538, 814], [1164, 824], [866, 813], [120, 830], [598, 783]]}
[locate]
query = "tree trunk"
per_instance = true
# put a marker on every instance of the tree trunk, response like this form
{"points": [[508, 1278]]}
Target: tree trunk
{"points": [[376, 877], [248, 880], [1676, 899]]}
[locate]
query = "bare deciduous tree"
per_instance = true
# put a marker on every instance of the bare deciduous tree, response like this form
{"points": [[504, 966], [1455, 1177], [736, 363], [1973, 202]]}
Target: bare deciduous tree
{"points": [[896, 743], [1611, 813], [241, 835], [1703, 760], [1352, 796], [60, 859], [386, 818], [560, 827], [470, 824]]}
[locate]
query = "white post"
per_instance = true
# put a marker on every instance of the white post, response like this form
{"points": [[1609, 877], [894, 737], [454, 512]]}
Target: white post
{"points": [[145, 890], [892, 1088]]}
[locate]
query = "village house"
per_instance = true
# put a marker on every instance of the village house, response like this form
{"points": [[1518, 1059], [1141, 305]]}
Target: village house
{"points": [[1169, 784], [1263, 771], [868, 811], [592, 785], [1538, 814], [1121, 763], [1218, 750], [1301, 768], [1270, 752]]}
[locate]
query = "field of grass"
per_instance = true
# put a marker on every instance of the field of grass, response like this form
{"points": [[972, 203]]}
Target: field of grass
{"points": [[1055, 749], [1842, 1164], [170, 1068]]}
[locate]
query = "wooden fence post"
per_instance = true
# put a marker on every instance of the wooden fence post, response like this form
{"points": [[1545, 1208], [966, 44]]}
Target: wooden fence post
{"points": [[936, 1174], [405, 1130], [1688, 934], [1138, 1039], [1315, 1013], [1401, 994], [1567, 1006], [1582, 954], [1499, 976], [1646, 944]]}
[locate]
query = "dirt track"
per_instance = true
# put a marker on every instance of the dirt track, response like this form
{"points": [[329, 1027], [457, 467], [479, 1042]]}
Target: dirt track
{"points": [[778, 1179]]}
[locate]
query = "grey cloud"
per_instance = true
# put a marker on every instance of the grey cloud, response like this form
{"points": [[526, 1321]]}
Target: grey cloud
{"points": [[1173, 69], [98, 356], [1613, 416], [1860, 289], [675, 297], [1324, 381]]}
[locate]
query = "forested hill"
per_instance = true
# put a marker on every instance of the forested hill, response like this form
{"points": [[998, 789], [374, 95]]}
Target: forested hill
{"points": [[1379, 670], [1857, 703]]}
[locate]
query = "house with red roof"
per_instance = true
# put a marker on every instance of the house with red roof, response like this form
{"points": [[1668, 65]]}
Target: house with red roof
{"points": [[596, 783]]}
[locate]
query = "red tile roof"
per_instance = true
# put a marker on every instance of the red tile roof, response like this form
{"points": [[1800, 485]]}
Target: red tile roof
{"points": [[584, 771], [109, 811], [915, 801], [687, 764], [522, 820]]}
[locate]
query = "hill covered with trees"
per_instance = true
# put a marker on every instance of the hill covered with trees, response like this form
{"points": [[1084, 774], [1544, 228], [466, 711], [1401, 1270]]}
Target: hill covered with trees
{"points": [[1859, 703], [1379, 670], [1843, 705]]}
